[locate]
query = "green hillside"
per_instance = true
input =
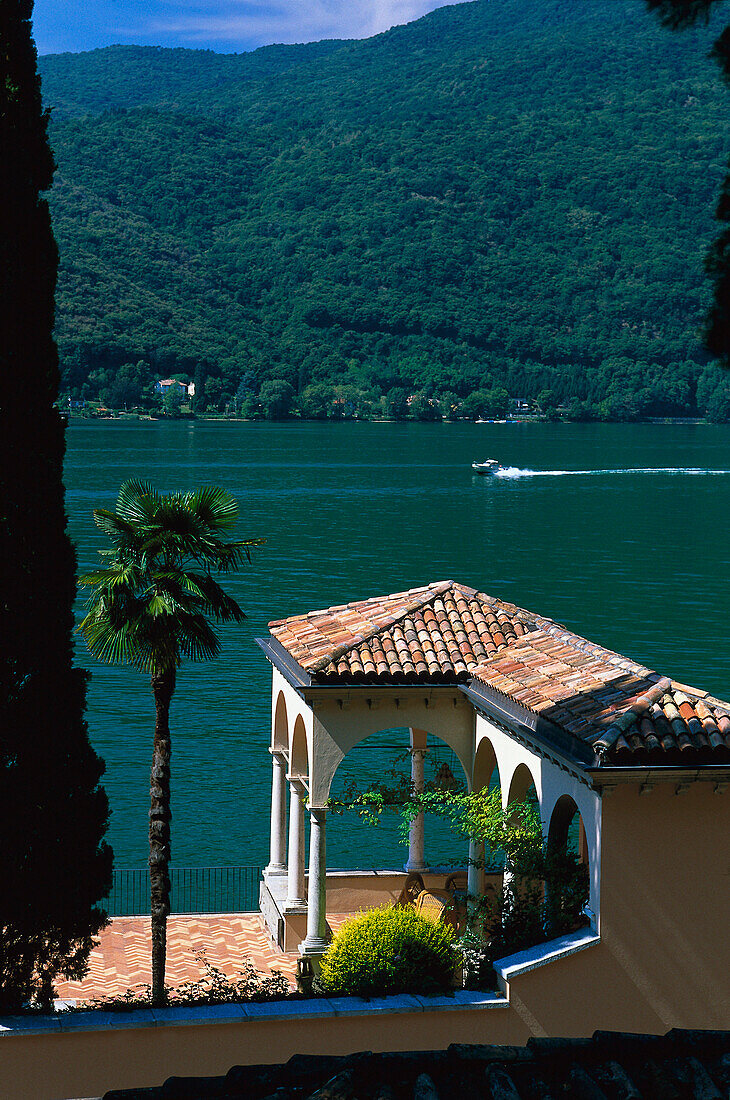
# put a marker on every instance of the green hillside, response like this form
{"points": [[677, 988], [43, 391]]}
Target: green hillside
{"points": [[509, 194]]}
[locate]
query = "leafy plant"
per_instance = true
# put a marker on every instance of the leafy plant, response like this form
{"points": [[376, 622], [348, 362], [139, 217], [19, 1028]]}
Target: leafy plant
{"points": [[151, 606], [212, 988], [386, 951], [545, 888]]}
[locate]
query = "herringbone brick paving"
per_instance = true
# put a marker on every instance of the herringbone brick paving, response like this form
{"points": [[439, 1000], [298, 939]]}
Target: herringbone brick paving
{"points": [[121, 959]]}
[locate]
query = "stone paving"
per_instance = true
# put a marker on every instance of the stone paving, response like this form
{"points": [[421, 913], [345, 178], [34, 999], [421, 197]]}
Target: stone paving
{"points": [[121, 959]]}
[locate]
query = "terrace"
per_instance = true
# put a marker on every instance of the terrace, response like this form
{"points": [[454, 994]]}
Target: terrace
{"points": [[639, 761], [521, 701], [517, 700]]}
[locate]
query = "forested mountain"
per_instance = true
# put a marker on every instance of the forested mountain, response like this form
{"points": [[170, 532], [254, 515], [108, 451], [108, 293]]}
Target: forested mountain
{"points": [[509, 194]]}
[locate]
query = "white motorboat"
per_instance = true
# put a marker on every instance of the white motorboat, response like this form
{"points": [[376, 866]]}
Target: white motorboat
{"points": [[489, 466]]}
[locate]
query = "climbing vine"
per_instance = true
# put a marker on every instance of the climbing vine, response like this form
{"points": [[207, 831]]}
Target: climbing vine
{"points": [[544, 890]]}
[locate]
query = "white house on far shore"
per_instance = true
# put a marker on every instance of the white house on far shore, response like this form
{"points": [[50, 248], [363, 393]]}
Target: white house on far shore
{"points": [[168, 385]]}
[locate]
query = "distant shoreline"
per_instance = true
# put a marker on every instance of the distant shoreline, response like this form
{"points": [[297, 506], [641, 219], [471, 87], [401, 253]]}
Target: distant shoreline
{"points": [[132, 418]]}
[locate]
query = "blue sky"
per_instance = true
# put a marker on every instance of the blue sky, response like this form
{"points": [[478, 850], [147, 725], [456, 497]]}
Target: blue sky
{"points": [[227, 26]]}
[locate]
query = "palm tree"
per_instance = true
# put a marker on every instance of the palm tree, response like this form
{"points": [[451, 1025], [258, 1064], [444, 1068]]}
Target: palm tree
{"points": [[151, 606]]}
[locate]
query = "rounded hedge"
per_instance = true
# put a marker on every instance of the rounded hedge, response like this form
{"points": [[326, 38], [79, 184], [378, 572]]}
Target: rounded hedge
{"points": [[387, 951]]}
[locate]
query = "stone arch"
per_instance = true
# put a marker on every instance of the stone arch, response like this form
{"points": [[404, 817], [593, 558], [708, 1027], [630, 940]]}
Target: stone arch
{"points": [[561, 819], [369, 760], [280, 732], [520, 783], [299, 755], [340, 726], [430, 736], [561, 837], [485, 764]]}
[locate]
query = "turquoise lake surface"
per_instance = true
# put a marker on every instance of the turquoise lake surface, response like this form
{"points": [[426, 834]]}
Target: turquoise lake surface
{"points": [[621, 532]]}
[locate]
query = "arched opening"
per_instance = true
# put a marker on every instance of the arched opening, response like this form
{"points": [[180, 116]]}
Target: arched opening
{"points": [[567, 870], [383, 761], [299, 757], [486, 769], [484, 864], [522, 786], [567, 832], [518, 875], [280, 738]]}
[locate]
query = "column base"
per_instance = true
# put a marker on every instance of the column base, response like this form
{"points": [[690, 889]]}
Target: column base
{"points": [[415, 865], [313, 948], [276, 869]]}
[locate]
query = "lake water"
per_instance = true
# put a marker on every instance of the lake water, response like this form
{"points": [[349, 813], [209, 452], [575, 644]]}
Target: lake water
{"points": [[618, 531]]}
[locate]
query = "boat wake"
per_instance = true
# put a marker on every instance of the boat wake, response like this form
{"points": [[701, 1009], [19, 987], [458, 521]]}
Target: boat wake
{"points": [[511, 473]]}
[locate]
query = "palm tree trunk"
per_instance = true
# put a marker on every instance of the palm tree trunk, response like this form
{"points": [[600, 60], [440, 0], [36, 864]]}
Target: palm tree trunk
{"points": [[163, 687]]}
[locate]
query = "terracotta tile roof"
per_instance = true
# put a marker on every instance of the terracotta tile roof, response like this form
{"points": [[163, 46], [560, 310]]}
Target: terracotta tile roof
{"points": [[447, 633], [435, 634], [626, 712]]}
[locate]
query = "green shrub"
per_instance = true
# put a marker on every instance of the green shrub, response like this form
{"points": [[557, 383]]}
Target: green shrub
{"points": [[386, 951]]}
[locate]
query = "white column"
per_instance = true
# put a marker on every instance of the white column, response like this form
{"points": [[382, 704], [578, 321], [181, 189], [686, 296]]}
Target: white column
{"points": [[277, 856], [416, 835], [316, 941], [475, 872], [295, 878]]}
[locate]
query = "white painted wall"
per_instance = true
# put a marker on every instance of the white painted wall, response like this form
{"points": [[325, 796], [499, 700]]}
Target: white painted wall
{"points": [[551, 782], [337, 723]]}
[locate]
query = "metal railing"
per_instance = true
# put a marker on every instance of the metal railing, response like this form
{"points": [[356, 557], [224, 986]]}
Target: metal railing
{"points": [[194, 890]]}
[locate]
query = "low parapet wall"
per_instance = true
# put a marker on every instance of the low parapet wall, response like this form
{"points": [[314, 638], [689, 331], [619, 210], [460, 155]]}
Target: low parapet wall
{"points": [[347, 892], [86, 1054], [569, 987]]}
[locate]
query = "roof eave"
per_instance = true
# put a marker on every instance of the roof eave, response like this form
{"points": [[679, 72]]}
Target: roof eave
{"points": [[282, 660], [609, 775], [521, 720]]}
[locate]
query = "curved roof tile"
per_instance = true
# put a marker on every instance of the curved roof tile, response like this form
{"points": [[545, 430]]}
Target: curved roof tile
{"points": [[448, 633], [434, 634]]}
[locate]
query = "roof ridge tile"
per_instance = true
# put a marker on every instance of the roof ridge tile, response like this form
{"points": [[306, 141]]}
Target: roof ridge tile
{"points": [[637, 709], [431, 592]]}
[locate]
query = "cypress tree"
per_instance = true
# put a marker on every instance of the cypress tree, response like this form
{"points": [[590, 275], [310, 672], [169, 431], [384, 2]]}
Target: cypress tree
{"points": [[678, 15], [54, 864]]}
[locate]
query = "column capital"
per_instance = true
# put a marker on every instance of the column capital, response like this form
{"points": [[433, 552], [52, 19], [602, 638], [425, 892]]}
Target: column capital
{"points": [[318, 814], [279, 756]]}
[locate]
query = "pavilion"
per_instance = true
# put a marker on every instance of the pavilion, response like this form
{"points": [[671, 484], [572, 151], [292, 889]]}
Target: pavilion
{"points": [[594, 732]]}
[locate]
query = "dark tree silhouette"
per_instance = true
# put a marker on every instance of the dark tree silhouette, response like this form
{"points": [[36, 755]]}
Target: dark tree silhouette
{"points": [[678, 15], [54, 864]]}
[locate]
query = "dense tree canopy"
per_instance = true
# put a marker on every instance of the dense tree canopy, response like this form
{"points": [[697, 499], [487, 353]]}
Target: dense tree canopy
{"points": [[506, 194], [54, 865], [678, 15]]}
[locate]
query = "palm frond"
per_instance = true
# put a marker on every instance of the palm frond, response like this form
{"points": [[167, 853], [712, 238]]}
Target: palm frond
{"points": [[216, 602], [105, 640], [118, 530], [137, 501], [197, 639], [147, 606], [120, 573], [224, 556], [215, 507]]}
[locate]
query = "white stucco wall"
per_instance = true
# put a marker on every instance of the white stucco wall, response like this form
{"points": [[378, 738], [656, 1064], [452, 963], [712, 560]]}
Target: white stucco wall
{"points": [[338, 721], [551, 782]]}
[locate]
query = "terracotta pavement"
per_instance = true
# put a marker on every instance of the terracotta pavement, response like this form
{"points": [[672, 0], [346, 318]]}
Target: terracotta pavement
{"points": [[121, 959]]}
